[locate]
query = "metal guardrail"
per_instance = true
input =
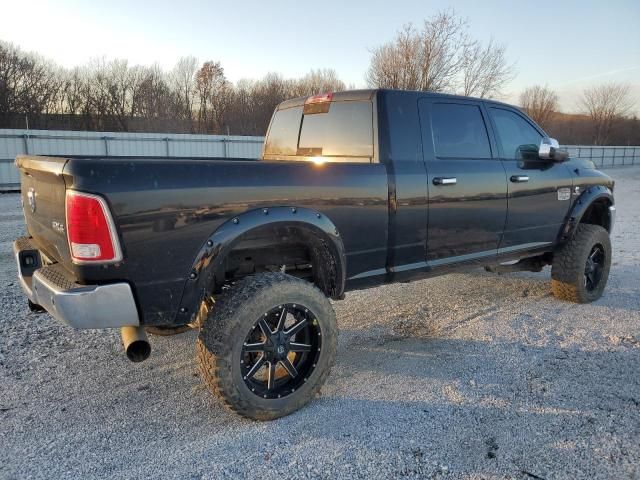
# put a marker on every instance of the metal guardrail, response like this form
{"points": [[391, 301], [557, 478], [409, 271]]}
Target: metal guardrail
{"points": [[605, 157], [133, 138], [117, 144]]}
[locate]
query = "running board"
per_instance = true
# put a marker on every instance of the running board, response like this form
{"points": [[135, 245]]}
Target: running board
{"points": [[533, 264]]}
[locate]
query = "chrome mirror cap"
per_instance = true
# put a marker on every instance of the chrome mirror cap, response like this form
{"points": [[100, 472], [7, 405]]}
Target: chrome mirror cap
{"points": [[550, 150], [548, 147]]}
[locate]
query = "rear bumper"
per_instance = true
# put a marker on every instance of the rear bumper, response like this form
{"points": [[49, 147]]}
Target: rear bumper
{"points": [[80, 306]]}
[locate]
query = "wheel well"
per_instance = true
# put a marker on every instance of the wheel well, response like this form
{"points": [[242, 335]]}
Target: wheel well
{"points": [[295, 250], [598, 214]]}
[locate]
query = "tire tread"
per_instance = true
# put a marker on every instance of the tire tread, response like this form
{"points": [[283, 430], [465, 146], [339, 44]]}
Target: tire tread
{"points": [[568, 264], [214, 345]]}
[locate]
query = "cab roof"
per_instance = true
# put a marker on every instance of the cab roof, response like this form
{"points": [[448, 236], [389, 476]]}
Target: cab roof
{"points": [[368, 94]]}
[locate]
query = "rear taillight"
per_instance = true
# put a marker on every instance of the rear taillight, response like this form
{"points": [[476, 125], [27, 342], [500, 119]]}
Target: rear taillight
{"points": [[90, 229]]}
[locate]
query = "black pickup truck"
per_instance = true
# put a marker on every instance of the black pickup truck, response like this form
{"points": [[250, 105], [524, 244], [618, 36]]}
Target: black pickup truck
{"points": [[353, 190]]}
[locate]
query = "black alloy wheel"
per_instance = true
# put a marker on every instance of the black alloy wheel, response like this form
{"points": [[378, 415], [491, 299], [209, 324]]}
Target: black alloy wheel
{"points": [[281, 351], [267, 344], [594, 267], [580, 267]]}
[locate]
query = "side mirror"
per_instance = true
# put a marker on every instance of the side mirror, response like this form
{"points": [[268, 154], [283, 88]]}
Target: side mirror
{"points": [[550, 150]]}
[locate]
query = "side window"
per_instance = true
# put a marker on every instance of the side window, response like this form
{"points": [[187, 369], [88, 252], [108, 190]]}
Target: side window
{"points": [[516, 136], [459, 131], [342, 132], [283, 133]]}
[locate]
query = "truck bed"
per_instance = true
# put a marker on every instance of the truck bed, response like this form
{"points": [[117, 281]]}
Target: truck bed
{"points": [[166, 209]]}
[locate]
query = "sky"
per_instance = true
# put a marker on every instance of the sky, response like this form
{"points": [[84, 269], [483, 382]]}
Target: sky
{"points": [[566, 45]]}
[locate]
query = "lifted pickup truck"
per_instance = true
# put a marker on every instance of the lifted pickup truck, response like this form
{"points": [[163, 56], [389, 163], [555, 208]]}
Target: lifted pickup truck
{"points": [[354, 189]]}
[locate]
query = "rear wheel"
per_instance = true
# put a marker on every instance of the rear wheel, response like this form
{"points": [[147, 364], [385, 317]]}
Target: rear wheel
{"points": [[267, 345], [581, 267]]}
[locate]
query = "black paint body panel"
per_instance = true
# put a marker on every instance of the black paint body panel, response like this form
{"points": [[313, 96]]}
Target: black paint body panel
{"points": [[387, 219]]}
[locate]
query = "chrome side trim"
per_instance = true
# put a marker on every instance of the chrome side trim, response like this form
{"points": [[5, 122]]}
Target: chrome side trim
{"points": [[523, 246], [461, 258]]}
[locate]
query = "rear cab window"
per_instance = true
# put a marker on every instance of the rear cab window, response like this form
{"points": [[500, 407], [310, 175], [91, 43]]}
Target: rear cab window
{"points": [[283, 132], [459, 131], [332, 131]]}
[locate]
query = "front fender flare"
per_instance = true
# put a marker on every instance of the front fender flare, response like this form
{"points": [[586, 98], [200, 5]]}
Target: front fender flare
{"points": [[205, 271], [592, 194]]}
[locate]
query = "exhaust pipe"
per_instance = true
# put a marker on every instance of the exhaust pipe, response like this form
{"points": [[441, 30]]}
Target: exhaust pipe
{"points": [[136, 344]]}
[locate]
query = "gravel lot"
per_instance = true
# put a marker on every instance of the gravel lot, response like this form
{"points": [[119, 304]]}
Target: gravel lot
{"points": [[463, 376]]}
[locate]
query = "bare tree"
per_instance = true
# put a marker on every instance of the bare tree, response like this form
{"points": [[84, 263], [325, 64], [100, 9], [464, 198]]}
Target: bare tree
{"points": [[442, 44], [152, 98], [396, 64], [266, 94], [485, 69], [427, 59], [539, 103], [28, 84], [240, 116], [441, 57], [317, 81], [211, 86], [112, 92], [605, 104], [183, 85]]}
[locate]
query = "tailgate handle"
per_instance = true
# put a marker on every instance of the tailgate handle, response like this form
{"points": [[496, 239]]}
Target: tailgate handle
{"points": [[445, 180]]}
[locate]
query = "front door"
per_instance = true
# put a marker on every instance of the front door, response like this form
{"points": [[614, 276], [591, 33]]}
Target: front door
{"points": [[466, 181], [539, 190]]}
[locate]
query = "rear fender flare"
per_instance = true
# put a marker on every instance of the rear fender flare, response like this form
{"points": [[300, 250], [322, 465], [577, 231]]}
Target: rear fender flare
{"points": [[591, 195], [207, 269]]}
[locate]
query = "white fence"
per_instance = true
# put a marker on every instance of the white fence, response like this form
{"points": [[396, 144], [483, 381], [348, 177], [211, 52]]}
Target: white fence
{"points": [[107, 144], [50, 142]]}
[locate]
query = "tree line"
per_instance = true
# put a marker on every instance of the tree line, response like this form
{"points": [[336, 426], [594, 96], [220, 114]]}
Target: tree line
{"points": [[440, 55], [115, 96], [605, 120]]}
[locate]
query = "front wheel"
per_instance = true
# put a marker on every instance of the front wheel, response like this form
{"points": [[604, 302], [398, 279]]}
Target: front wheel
{"points": [[268, 345], [581, 267]]}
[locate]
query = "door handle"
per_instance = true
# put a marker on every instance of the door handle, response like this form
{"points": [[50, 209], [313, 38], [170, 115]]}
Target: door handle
{"points": [[445, 180], [519, 178]]}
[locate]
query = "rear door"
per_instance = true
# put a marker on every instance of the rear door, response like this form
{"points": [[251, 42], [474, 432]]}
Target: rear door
{"points": [[539, 190], [467, 182]]}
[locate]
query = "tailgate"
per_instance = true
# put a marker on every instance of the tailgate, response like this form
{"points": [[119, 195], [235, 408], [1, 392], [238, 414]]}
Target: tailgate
{"points": [[43, 200]]}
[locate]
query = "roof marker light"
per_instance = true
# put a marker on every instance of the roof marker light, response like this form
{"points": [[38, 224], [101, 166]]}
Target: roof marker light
{"points": [[320, 98]]}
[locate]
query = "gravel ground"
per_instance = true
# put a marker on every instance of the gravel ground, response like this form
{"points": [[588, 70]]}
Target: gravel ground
{"points": [[463, 376]]}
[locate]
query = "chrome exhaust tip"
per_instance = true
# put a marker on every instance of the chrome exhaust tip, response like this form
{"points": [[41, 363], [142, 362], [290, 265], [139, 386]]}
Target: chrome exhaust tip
{"points": [[136, 344]]}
